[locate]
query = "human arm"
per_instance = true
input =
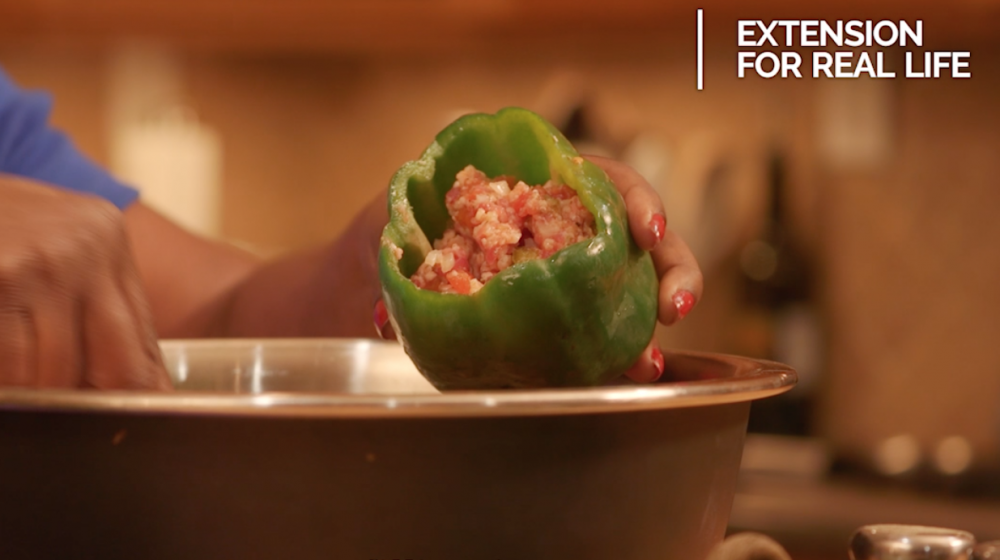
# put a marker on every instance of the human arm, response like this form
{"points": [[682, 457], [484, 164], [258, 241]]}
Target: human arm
{"points": [[59, 247], [199, 288]]}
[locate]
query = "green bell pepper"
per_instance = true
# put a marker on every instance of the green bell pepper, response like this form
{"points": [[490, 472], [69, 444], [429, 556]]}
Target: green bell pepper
{"points": [[578, 318]]}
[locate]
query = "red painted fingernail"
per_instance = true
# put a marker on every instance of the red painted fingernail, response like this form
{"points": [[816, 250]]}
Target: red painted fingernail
{"points": [[657, 362], [381, 318], [683, 301], [659, 225]]}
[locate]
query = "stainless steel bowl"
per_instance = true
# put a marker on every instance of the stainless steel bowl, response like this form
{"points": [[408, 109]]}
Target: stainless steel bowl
{"points": [[340, 449]]}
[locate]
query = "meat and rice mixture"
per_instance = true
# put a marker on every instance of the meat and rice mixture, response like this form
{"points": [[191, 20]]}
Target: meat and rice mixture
{"points": [[497, 223]]}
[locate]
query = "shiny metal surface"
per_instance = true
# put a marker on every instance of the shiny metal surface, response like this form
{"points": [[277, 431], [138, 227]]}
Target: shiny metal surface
{"points": [[361, 378], [987, 551], [318, 449], [910, 542], [749, 546]]}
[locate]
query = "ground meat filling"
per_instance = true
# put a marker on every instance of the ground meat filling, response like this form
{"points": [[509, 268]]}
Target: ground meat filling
{"points": [[497, 223]]}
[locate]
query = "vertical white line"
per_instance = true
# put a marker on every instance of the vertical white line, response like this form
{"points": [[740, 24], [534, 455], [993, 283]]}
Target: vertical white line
{"points": [[701, 50]]}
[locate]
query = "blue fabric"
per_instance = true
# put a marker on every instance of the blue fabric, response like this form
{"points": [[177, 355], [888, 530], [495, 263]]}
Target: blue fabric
{"points": [[30, 148]]}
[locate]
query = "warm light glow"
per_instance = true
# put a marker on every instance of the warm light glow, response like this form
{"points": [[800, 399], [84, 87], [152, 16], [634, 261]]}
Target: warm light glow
{"points": [[953, 455], [897, 455]]}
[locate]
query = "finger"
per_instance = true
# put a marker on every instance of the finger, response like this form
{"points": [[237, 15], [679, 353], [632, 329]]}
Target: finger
{"points": [[17, 348], [142, 317], [382, 324], [681, 282], [57, 332], [115, 356], [646, 217], [649, 367]]}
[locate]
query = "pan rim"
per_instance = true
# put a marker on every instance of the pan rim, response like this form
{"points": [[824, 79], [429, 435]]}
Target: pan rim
{"points": [[753, 379]]}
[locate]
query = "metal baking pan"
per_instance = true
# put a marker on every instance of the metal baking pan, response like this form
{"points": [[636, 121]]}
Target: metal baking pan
{"points": [[340, 449]]}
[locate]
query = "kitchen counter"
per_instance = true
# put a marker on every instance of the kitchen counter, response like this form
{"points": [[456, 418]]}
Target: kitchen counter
{"points": [[813, 517]]}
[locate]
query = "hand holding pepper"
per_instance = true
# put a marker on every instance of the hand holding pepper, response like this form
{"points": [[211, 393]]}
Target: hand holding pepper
{"points": [[677, 274], [680, 277]]}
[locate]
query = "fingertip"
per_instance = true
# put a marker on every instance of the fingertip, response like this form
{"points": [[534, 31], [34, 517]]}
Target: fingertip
{"points": [[380, 318], [675, 303], [647, 221], [657, 225], [683, 301], [656, 356], [649, 367], [388, 333], [383, 326]]}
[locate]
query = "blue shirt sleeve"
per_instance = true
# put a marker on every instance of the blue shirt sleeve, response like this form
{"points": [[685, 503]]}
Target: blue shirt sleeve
{"points": [[31, 148]]}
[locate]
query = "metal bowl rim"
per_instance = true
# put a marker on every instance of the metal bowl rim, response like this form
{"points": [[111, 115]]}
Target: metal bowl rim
{"points": [[756, 379]]}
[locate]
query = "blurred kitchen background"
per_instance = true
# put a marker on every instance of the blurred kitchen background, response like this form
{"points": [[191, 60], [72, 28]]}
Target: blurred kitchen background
{"points": [[847, 227]]}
